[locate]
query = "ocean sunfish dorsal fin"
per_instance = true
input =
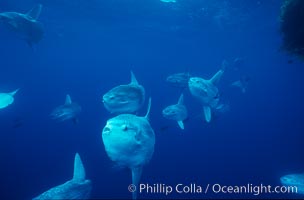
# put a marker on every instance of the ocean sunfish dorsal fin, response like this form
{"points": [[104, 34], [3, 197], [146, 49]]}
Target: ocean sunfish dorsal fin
{"points": [[14, 92], [79, 171], [148, 110], [181, 99], [133, 79], [35, 12], [216, 77], [207, 113], [68, 100], [136, 174]]}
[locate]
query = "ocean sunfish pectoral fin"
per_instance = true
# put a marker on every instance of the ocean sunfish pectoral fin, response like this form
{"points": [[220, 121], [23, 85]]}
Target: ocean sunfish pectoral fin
{"points": [[216, 77], [181, 124], [68, 100], [207, 113], [133, 79], [14, 92], [136, 175], [181, 99], [79, 171], [35, 12]]}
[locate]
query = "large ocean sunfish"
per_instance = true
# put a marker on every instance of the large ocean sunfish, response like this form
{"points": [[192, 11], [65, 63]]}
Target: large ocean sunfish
{"points": [[77, 188], [206, 92], [129, 142], [26, 26], [125, 98]]}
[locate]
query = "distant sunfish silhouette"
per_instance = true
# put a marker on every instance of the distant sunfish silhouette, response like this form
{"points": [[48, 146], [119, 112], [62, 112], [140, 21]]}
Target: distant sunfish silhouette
{"points": [[296, 180], [206, 91], [129, 142], [177, 112], [125, 98], [77, 188], [7, 99], [242, 84], [178, 80], [69, 110], [25, 25]]}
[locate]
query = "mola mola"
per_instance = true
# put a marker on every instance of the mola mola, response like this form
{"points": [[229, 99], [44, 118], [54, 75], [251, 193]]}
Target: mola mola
{"points": [[7, 99], [206, 91], [177, 112], [178, 80], [25, 25], [296, 180], [77, 188], [129, 142], [69, 110], [125, 98]]}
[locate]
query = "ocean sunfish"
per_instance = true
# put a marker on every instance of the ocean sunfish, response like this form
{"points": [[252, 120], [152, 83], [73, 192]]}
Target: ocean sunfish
{"points": [[7, 99], [179, 80], [125, 98], [206, 92], [69, 110], [77, 188], [25, 25], [177, 112], [129, 142]]}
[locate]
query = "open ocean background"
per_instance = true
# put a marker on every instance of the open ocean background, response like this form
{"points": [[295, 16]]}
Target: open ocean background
{"points": [[90, 46]]}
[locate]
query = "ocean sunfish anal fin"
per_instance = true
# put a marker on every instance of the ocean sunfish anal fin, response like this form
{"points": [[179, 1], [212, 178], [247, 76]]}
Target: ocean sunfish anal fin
{"points": [[35, 12], [207, 113], [181, 124], [79, 171], [68, 100], [136, 175], [148, 109]]}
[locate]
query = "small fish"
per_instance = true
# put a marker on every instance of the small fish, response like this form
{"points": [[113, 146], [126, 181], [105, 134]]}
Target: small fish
{"points": [[69, 110], [206, 92], [7, 99], [25, 25], [125, 98], [129, 142], [77, 188], [295, 180], [179, 80], [177, 112]]}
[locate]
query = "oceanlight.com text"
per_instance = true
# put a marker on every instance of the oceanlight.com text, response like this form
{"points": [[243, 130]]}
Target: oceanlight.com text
{"points": [[194, 188]]}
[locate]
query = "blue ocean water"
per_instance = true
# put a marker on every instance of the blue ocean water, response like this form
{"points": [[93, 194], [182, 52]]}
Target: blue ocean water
{"points": [[90, 46]]}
